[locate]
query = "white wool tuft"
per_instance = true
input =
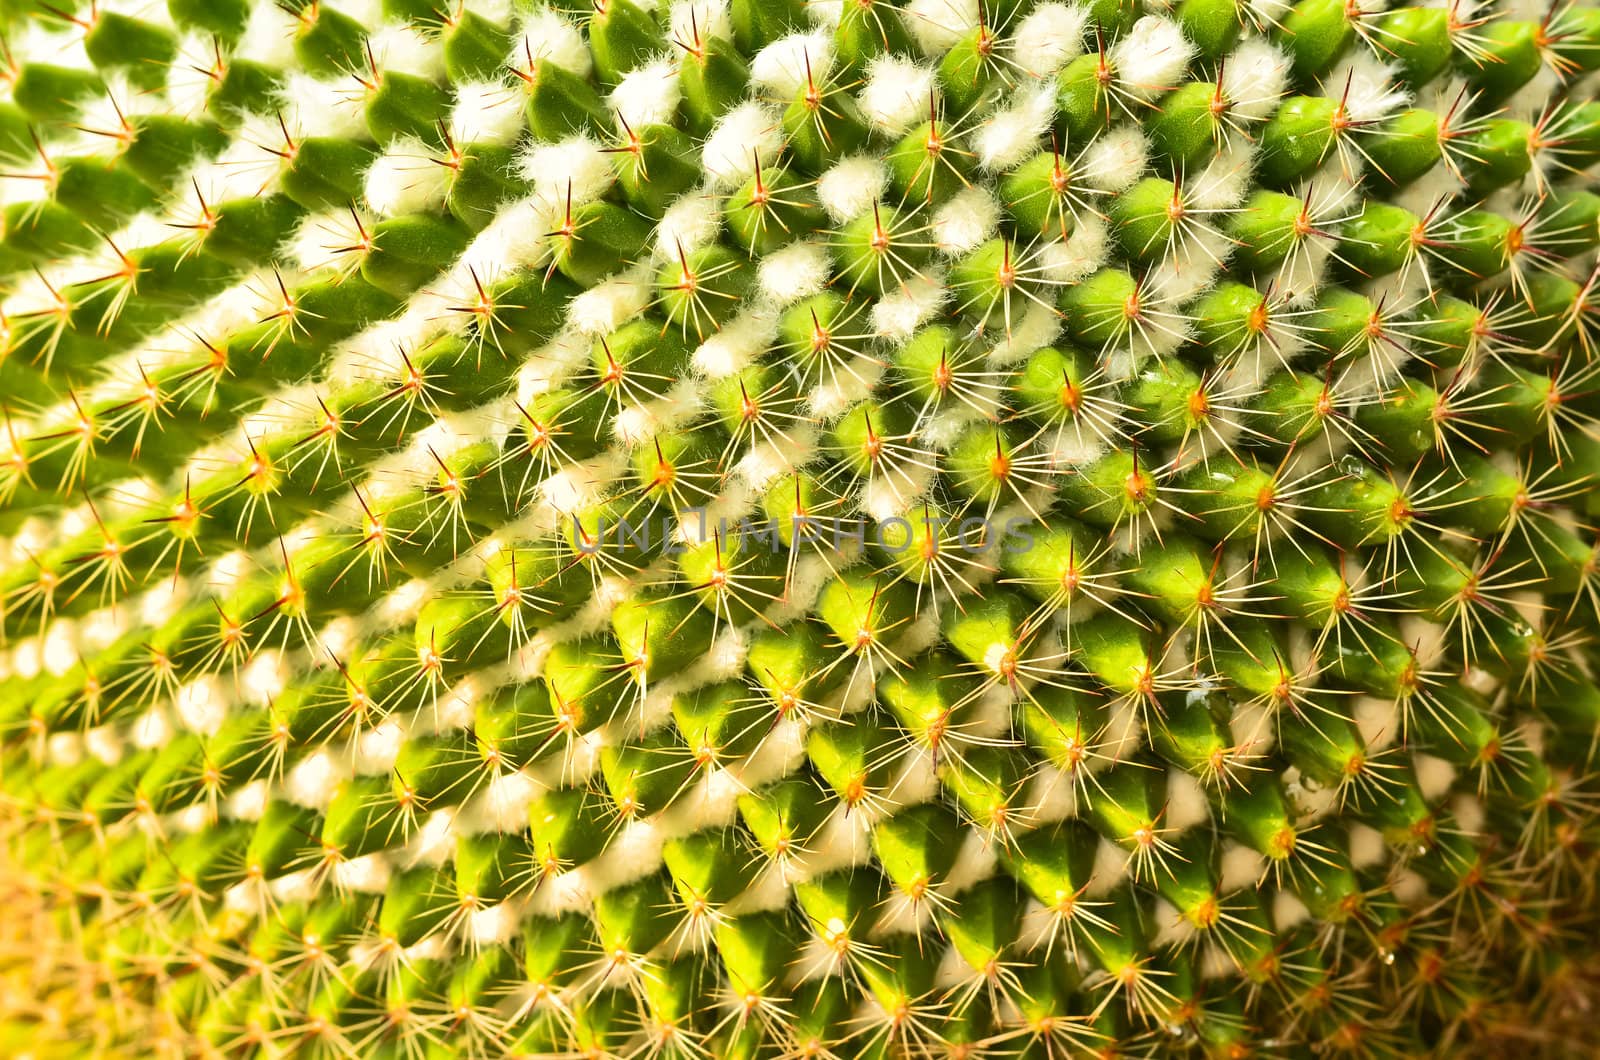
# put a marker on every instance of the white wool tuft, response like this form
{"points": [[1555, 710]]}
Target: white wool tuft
{"points": [[1287, 911], [1274, 11], [1189, 268], [104, 744], [748, 130], [1049, 38], [781, 751], [648, 95], [938, 24], [1423, 195], [1444, 93], [1427, 639], [634, 852], [689, 223], [1110, 868], [1241, 867], [396, 47], [1255, 78], [767, 893], [406, 179], [1117, 159], [851, 186], [314, 779], [1434, 776], [486, 112], [435, 841], [1187, 805], [1530, 102], [1406, 287], [1009, 136], [886, 496], [548, 35], [316, 107], [976, 861], [1468, 812], [705, 18], [736, 345], [505, 243], [1378, 721], [1175, 330], [505, 801], [24, 660], [566, 892], [1038, 326], [763, 462], [607, 306], [1367, 86], [1151, 57], [826, 13], [1367, 847], [494, 925], [377, 749], [1347, 168], [228, 571], [366, 12], [202, 705], [221, 179], [1225, 181], [1410, 889], [637, 423], [1080, 256], [60, 647], [965, 221], [340, 636], [901, 312], [404, 601], [914, 639], [119, 102], [264, 677], [189, 81], [834, 396], [151, 729], [896, 94], [1119, 365], [268, 37], [798, 270], [367, 875], [780, 67], [573, 488], [578, 163], [1052, 795], [249, 802], [31, 294], [712, 803], [1173, 929]]}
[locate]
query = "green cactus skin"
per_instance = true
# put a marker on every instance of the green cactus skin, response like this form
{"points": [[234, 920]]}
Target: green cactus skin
{"points": [[731, 528]]}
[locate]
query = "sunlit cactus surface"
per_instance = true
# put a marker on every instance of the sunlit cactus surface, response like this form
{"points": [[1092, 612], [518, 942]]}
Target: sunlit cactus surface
{"points": [[779, 529]]}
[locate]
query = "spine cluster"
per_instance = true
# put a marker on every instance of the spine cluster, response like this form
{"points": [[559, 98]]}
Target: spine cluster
{"points": [[780, 529]]}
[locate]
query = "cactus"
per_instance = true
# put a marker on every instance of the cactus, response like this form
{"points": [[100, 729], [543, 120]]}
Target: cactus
{"points": [[759, 529]]}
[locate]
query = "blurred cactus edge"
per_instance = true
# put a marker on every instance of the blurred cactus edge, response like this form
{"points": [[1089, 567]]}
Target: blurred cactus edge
{"points": [[800, 529]]}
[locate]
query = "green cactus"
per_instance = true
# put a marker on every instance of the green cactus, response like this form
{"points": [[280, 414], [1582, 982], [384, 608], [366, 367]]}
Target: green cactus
{"points": [[762, 529]]}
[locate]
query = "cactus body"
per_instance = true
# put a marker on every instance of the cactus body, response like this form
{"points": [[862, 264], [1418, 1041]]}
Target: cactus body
{"points": [[943, 528]]}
